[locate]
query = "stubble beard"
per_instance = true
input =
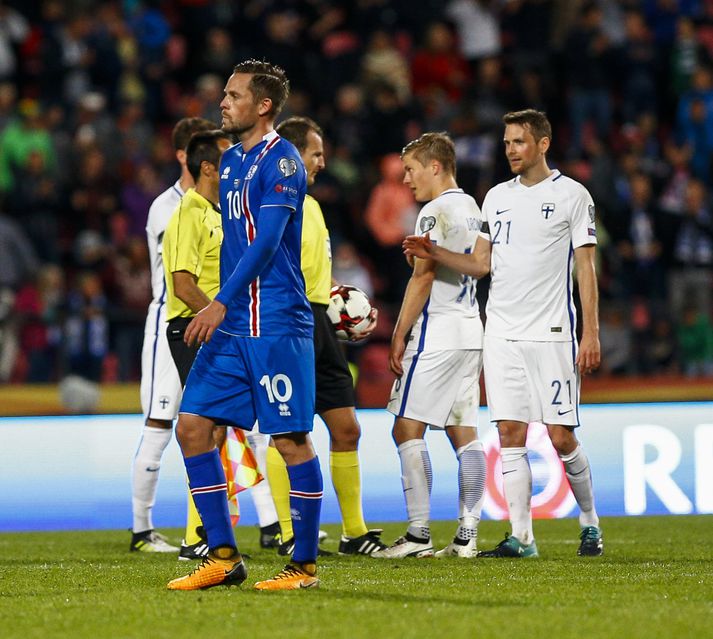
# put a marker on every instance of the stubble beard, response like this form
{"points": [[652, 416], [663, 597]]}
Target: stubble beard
{"points": [[237, 130]]}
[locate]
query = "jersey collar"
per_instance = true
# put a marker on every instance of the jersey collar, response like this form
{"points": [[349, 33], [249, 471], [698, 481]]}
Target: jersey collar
{"points": [[178, 188], [448, 192], [551, 178], [192, 193], [266, 139]]}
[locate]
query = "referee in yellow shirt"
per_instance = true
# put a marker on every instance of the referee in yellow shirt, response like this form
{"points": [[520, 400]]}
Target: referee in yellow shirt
{"points": [[191, 263], [335, 389], [191, 245]]}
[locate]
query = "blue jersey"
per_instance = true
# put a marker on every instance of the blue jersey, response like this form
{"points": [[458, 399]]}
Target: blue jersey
{"points": [[269, 175]]}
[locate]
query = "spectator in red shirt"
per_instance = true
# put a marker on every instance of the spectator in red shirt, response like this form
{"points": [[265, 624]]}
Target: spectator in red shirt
{"points": [[439, 67]]}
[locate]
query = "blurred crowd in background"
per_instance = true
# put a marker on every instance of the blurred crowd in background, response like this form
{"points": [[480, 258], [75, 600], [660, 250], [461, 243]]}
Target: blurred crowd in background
{"points": [[89, 92]]}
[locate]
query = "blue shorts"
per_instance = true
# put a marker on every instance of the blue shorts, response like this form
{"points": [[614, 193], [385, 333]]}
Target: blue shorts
{"points": [[236, 380]]}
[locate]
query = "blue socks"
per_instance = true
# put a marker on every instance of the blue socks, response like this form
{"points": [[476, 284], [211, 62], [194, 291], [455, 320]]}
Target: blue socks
{"points": [[305, 504], [209, 489]]}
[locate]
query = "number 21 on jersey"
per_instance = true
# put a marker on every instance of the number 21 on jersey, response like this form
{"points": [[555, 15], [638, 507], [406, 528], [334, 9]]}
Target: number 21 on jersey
{"points": [[504, 228]]}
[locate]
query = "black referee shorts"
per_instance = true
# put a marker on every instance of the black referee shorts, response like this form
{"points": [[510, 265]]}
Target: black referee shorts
{"points": [[183, 355], [335, 387]]}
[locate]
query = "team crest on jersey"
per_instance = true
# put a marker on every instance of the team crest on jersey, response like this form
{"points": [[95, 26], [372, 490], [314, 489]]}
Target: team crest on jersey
{"points": [[287, 166], [427, 223], [548, 209], [236, 183], [591, 212], [251, 171]]}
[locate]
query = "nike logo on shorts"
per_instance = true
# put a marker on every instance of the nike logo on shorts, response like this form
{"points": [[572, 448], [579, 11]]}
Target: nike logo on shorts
{"points": [[559, 412]]}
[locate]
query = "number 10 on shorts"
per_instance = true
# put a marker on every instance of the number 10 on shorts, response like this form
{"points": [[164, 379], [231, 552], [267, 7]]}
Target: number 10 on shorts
{"points": [[279, 388]]}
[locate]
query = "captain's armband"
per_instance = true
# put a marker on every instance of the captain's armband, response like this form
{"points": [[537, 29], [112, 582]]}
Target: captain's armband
{"points": [[485, 231]]}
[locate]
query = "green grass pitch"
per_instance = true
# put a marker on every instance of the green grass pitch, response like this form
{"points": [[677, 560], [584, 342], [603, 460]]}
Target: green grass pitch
{"points": [[655, 580]]}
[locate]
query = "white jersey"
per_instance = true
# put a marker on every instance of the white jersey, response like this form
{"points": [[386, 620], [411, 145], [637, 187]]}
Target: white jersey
{"points": [[160, 213], [450, 319], [533, 232], [160, 384]]}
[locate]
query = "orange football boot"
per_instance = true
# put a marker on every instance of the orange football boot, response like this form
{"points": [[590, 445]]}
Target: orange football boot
{"points": [[212, 571], [291, 577]]}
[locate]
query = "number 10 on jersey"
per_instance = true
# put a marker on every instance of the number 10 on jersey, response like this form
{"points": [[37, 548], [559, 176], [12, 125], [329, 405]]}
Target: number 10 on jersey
{"points": [[233, 204]]}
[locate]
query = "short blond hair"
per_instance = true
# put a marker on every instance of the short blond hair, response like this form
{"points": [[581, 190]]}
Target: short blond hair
{"points": [[433, 146]]}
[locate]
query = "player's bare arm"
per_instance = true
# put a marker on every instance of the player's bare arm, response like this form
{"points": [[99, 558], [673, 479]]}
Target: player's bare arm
{"points": [[589, 355], [417, 292], [475, 264], [185, 286], [203, 325]]}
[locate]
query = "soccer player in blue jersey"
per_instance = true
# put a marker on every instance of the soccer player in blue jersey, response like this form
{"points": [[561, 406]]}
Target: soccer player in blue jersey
{"points": [[256, 359]]}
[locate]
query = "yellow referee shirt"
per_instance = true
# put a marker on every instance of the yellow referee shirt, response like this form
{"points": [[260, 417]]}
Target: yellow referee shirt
{"points": [[316, 253], [191, 243]]}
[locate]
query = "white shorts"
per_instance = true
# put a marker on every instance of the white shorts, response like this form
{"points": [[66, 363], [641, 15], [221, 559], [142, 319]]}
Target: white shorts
{"points": [[439, 388], [531, 381], [160, 385]]}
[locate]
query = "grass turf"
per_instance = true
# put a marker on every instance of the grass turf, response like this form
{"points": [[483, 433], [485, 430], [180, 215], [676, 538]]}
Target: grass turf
{"points": [[655, 580]]}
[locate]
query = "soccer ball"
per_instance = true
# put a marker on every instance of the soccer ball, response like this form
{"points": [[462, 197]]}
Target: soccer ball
{"points": [[349, 311]]}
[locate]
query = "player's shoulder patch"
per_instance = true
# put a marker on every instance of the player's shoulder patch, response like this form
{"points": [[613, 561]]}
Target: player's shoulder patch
{"points": [[426, 223], [287, 166]]}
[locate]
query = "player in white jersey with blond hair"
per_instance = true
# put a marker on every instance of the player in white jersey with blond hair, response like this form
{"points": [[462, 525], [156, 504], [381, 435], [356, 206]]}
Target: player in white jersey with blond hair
{"points": [[436, 351], [536, 226]]}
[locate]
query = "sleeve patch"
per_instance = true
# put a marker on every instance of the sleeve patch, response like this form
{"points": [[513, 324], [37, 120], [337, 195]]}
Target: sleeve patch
{"points": [[427, 223], [286, 188], [287, 166]]}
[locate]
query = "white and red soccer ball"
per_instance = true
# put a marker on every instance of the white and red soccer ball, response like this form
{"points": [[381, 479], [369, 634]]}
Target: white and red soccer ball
{"points": [[349, 311]]}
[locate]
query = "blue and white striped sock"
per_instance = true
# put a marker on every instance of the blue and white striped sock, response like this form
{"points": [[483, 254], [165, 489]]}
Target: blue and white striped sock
{"points": [[416, 480], [209, 489], [471, 488], [305, 506]]}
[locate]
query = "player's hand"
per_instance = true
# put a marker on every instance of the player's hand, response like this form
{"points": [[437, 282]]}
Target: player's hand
{"points": [[203, 325], [418, 246], [396, 355], [363, 334], [589, 356]]}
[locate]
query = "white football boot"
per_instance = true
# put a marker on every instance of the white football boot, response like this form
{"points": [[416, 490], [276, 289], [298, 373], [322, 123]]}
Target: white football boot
{"points": [[404, 547]]}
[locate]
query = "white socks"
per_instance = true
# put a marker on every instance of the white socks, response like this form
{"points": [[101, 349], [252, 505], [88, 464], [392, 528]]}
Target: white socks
{"points": [[576, 467], [517, 485], [147, 463], [260, 493], [471, 488], [417, 479]]}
